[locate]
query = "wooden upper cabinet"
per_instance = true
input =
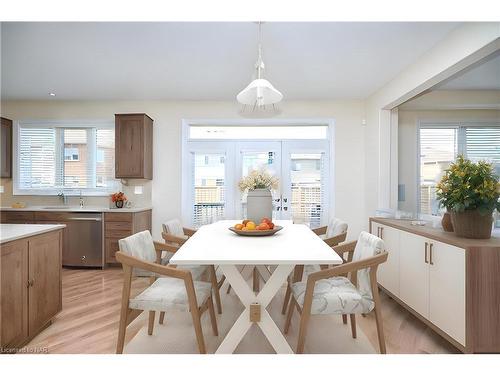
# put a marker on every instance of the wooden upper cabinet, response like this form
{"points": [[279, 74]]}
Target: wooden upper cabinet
{"points": [[133, 146], [6, 148]]}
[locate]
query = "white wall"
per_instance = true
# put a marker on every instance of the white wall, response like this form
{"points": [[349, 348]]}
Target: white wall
{"points": [[465, 45], [407, 134], [165, 189]]}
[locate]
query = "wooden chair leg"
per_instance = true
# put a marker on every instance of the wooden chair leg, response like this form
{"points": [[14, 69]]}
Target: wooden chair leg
{"points": [[195, 314], [344, 318], [151, 322], [288, 322], [380, 329], [304, 320], [213, 319], [162, 317], [122, 327], [353, 325], [215, 288], [286, 301]]}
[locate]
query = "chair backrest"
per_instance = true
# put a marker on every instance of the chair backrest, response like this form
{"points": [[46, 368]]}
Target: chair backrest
{"points": [[174, 227], [139, 245], [367, 246], [335, 227]]}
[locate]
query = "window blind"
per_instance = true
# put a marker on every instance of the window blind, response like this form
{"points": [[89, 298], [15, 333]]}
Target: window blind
{"points": [[54, 157], [483, 143]]}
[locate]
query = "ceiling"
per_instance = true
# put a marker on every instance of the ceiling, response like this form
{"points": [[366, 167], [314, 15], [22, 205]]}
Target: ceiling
{"points": [[483, 76], [206, 61]]}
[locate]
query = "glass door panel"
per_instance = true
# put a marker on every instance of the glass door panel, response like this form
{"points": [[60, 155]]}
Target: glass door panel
{"points": [[305, 174], [209, 188], [257, 156]]}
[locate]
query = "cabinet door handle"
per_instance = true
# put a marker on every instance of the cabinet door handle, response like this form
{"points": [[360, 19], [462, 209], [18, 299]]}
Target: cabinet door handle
{"points": [[430, 253], [30, 283], [425, 253], [381, 232]]}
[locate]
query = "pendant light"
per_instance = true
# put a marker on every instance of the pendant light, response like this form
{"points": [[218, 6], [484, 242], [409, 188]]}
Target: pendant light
{"points": [[260, 92]]}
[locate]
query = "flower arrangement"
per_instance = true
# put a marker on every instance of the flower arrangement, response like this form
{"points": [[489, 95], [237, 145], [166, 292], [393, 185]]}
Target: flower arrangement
{"points": [[261, 179], [118, 199], [469, 186]]}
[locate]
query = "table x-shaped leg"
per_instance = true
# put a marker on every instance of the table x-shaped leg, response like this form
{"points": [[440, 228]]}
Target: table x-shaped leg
{"points": [[257, 303]]}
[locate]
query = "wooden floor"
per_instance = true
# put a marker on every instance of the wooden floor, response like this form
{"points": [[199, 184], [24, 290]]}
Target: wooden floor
{"points": [[88, 322]]}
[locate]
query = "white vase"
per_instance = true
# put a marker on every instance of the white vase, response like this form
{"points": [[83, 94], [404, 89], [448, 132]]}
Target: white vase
{"points": [[259, 205]]}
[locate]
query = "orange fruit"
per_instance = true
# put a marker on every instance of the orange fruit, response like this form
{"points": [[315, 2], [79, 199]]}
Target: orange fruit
{"points": [[266, 220], [238, 226], [244, 228], [244, 222], [263, 226], [250, 225], [270, 225]]}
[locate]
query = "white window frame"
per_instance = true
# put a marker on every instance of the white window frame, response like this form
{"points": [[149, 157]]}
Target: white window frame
{"points": [[446, 123], [77, 124], [216, 145]]}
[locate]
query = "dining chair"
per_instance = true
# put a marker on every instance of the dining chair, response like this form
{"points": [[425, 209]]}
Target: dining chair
{"points": [[170, 287], [329, 292], [176, 235], [333, 234]]}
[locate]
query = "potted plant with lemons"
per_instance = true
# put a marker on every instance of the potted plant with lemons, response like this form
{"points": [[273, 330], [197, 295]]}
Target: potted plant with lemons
{"points": [[470, 191]]}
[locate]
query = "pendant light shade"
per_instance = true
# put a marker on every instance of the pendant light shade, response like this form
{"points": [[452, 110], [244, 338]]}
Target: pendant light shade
{"points": [[259, 92]]}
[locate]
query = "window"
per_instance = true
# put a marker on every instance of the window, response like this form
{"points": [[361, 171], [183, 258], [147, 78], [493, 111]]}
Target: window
{"points": [[258, 132], [51, 157], [440, 145], [71, 154]]}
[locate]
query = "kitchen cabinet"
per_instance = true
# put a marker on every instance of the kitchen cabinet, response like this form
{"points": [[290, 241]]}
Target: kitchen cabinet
{"points": [[30, 286], [17, 217], [414, 272], [447, 289], [6, 148], [133, 146], [388, 272], [14, 293], [119, 225], [449, 283]]}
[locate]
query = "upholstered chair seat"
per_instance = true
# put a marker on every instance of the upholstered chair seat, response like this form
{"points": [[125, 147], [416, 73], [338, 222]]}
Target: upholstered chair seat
{"points": [[166, 293], [336, 295]]}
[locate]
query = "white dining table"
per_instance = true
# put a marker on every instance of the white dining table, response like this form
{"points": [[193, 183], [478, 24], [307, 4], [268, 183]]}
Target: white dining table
{"points": [[215, 244]]}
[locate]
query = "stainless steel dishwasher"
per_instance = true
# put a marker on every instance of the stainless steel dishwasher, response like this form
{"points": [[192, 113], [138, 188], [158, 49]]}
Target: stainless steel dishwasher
{"points": [[82, 237]]}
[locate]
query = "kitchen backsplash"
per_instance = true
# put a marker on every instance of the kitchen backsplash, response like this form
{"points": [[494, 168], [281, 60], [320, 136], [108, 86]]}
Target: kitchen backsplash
{"points": [[137, 200]]}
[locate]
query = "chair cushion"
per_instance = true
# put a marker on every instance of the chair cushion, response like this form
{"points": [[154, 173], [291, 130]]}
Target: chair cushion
{"points": [[167, 292], [335, 227], [139, 245], [336, 295], [311, 268], [367, 246], [174, 227]]}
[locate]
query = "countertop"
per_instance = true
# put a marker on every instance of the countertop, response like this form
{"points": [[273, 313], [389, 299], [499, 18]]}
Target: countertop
{"points": [[439, 234], [11, 232], [76, 209]]}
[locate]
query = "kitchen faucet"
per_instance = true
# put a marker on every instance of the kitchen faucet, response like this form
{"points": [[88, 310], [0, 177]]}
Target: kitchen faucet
{"points": [[63, 197]]}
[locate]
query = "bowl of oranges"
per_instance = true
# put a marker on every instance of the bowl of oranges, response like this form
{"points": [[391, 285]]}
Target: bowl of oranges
{"points": [[266, 227]]}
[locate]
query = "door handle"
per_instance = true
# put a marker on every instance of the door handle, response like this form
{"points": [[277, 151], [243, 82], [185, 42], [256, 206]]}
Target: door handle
{"points": [[83, 219], [425, 255], [381, 232], [30, 283], [431, 245], [285, 208]]}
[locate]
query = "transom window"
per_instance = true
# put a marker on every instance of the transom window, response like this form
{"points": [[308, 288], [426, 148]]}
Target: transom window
{"points": [[50, 157]]}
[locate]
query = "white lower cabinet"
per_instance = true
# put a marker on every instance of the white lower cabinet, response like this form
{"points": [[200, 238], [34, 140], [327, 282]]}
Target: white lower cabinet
{"points": [[447, 289], [427, 275], [388, 272], [414, 273]]}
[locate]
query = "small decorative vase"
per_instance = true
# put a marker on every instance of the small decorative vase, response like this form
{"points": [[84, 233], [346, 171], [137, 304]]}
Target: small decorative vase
{"points": [[446, 222], [259, 204], [119, 204], [471, 224]]}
